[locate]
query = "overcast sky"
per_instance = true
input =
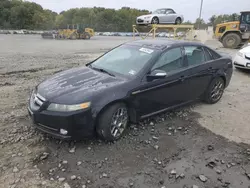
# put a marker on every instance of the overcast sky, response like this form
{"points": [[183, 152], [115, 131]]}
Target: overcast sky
{"points": [[189, 8]]}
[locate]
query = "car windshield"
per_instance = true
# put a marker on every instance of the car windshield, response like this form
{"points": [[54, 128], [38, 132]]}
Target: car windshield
{"points": [[126, 60], [160, 11]]}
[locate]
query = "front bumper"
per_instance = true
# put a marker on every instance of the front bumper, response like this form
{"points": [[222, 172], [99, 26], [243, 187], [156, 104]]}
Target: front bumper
{"points": [[79, 124], [241, 62], [141, 21]]}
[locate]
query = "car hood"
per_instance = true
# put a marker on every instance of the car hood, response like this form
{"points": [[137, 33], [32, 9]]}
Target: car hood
{"points": [[76, 83], [246, 51]]}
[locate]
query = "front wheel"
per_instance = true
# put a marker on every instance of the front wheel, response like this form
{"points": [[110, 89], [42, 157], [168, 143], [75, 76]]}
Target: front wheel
{"points": [[155, 20], [215, 91], [113, 122]]}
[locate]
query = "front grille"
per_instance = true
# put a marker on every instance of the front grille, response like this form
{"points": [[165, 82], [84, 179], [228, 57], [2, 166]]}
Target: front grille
{"points": [[140, 20], [247, 57]]}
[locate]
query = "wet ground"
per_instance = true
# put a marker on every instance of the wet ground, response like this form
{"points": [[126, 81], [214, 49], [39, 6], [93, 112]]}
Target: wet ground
{"points": [[175, 149]]}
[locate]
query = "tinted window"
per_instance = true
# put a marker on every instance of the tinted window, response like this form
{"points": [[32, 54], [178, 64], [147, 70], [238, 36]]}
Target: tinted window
{"points": [[194, 55], [207, 55], [171, 60], [169, 11], [214, 54]]}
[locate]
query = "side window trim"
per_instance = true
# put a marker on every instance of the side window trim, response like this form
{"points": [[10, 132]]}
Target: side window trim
{"points": [[211, 56]]}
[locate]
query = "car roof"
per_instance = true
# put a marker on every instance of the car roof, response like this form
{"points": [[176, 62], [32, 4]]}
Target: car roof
{"points": [[163, 8], [161, 44]]}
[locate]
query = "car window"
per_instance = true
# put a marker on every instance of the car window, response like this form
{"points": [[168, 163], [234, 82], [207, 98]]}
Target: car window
{"points": [[207, 55], [214, 54], [160, 11], [171, 60], [169, 11], [194, 55]]}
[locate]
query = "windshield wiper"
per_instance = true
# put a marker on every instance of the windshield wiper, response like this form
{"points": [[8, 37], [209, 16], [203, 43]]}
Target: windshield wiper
{"points": [[102, 70]]}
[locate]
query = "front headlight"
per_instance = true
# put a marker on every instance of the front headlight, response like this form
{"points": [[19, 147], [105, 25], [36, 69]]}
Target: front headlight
{"points": [[147, 17], [68, 108], [240, 54]]}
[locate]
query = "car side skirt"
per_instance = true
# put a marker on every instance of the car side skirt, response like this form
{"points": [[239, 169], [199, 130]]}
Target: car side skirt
{"points": [[167, 109]]}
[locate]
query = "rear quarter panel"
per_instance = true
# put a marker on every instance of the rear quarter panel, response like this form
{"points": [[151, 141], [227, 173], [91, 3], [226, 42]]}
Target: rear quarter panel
{"points": [[223, 67]]}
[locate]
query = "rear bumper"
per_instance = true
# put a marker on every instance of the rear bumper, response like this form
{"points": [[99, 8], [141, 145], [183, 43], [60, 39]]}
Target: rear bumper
{"points": [[79, 125]]}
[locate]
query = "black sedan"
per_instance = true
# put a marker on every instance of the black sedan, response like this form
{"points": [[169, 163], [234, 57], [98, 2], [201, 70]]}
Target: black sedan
{"points": [[132, 81]]}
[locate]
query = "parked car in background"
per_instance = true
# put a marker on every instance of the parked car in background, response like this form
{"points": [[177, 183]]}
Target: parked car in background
{"points": [[242, 58], [160, 16], [106, 34], [131, 82], [163, 34], [5, 32]]}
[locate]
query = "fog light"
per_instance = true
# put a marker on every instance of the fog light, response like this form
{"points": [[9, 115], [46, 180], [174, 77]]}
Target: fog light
{"points": [[63, 132], [248, 64]]}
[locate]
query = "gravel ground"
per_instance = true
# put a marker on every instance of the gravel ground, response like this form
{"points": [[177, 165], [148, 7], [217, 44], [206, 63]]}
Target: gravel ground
{"points": [[195, 146]]}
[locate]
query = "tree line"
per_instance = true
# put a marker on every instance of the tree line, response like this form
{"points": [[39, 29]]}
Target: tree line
{"points": [[18, 14]]}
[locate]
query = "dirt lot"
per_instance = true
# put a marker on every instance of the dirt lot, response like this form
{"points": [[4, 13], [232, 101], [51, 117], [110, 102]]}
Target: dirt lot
{"points": [[196, 146]]}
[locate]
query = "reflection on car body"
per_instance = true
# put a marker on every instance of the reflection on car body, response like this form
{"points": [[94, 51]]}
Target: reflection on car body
{"points": [[132, 81]]}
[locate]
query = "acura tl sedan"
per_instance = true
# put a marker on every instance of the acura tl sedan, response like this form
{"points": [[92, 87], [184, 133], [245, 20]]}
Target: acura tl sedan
{"points": [[132, 81], [160, 16]]}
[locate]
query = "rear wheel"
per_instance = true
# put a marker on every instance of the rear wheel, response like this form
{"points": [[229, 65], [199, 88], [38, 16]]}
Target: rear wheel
{"points": [[178, 21], [155, 20], [231, 40], [215, 90], [113, 122]]}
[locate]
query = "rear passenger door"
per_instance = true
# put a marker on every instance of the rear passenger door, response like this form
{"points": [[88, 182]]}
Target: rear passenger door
{"points": [[200, 69]]}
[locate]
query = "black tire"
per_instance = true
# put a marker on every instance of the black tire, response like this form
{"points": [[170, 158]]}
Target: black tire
{"points": [[217, 86], [87, 36], [105, 129], [155, 20], [231, 40], [178, 21]]}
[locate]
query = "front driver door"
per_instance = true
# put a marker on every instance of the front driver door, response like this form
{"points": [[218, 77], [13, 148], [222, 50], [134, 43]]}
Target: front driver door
{"points": [[158, 95]]}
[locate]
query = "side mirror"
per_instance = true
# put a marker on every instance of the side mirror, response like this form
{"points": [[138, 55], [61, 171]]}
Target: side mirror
{"points": [[156, 74]]}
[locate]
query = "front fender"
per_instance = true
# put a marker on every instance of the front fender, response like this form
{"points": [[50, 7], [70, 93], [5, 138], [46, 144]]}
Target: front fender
{"points": [[110, 98]]}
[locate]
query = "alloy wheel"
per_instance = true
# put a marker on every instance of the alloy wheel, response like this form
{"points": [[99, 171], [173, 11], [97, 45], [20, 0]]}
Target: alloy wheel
{"points": [[119, 122], [155, 21], [217, 90]]}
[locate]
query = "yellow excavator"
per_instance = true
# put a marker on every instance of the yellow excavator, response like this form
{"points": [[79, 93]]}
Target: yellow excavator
{"points": [[234, 34], [72, 32]]}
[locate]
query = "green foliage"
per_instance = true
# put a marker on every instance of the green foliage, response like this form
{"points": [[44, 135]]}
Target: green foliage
{"points": [[214, 20], [100, 19], [18, 14]]}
